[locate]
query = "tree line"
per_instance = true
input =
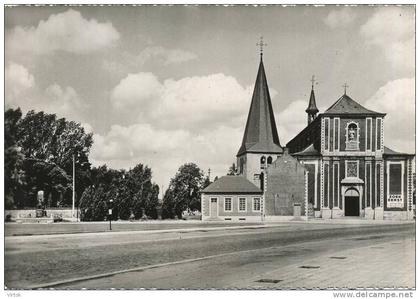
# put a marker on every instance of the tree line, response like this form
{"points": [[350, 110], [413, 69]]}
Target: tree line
{"points": [[39, 153]]}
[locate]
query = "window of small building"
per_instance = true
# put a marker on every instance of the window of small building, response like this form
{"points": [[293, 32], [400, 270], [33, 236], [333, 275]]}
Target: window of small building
{"points": [[242, 204], [257, 204], [228, 204]]}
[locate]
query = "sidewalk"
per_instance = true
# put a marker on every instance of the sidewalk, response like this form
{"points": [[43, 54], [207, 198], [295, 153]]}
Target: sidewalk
{"points": [[13, 230], [383, 265]]}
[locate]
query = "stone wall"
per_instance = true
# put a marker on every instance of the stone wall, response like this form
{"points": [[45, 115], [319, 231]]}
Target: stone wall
{"points": [[285, 187], [31, 213]]}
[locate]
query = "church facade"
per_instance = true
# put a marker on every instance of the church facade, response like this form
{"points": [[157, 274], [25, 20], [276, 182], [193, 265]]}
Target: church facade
{"points": [[338, 166], [351, 172]]}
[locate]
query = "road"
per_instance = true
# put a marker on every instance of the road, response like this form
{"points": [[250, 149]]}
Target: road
{"points": [[209, 258]]}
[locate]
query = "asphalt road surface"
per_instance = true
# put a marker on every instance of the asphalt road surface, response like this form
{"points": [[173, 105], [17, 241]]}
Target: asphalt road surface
{"points": [[194, 259]]}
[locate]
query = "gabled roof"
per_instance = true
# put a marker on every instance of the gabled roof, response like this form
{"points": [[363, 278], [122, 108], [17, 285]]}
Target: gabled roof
{"points": [[232, 184], [260, 131], [346, 105], [312, 104], [309, 151]]}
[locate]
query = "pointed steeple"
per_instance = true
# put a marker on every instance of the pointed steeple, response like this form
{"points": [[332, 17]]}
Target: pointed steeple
{"points": [[312, 110], [260, 132]]}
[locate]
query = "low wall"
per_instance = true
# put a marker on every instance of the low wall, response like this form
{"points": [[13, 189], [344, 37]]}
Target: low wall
{"points": [[397, 215], [31, 213]]}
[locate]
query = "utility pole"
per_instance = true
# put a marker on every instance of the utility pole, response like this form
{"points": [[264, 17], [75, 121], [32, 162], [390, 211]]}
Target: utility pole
{"points": [[74, 187]]}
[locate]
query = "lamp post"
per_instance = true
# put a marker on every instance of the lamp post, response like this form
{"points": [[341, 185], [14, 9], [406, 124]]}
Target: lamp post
{"points": [[74, 187]]}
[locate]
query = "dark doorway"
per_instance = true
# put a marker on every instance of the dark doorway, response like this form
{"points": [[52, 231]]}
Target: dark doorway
{"points": [[351, 206]]}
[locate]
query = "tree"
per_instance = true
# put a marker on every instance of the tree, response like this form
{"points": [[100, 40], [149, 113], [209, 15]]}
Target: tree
{"points": [[132, 192], [184, 190], [93, 204], [106, 184], [48, 145], [232, 169], [13, 160]]}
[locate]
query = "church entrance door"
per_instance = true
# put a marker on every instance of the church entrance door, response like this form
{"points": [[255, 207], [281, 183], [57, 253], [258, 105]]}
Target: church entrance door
{"points": [[351, 206], [213, 208]]}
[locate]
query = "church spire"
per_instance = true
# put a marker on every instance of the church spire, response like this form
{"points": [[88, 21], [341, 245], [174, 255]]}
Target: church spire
{"points": [[312, 110], [260, 134]]}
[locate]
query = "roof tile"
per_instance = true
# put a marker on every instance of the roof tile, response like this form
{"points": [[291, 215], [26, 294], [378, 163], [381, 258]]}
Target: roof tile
{"points": [[260, 131], [232, 184]]}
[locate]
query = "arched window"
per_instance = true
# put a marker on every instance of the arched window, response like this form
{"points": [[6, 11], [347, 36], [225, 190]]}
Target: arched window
{"points": [[352, 136], [262, 162], [269, 160]]}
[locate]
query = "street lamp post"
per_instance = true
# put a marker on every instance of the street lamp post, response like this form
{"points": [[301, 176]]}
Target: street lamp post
{"points": [[74, 187]]}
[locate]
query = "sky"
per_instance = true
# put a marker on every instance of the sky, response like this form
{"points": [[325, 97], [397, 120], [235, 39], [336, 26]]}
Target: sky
{"points": [[167, 85]]}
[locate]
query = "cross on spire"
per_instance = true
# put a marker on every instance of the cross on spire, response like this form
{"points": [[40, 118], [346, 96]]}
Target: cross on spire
{"points": [[261, 44], [313, 81], [345, 87]]}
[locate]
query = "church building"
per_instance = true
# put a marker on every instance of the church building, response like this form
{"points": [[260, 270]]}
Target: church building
{"points": [[338, 166]]}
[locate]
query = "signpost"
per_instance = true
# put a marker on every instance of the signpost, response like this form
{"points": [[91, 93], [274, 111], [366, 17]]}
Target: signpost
{"points": [[110, 213]]}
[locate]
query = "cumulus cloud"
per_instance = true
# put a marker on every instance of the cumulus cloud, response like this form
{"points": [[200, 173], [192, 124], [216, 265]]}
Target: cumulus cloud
{"points": [[167, 56], [67, 31], [188, 102], [199, 119], [63, 101], [340, 18], [399, 124], [392, 30], [18, 81], [88, 127], [164, 150], [291, 120], [136, 90], [127, 62], [21, 91]]}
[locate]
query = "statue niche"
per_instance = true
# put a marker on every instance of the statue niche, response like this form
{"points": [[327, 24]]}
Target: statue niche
{"points": [[352, 136]]}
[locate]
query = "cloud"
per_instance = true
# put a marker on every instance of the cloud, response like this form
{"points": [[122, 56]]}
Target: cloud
{"points": [[63, 101], [17, 81], [194, 119], [136, 90], [291, 120], [21, 91], [340, 18], [399, 124], [67, 31], [167, 56], [392, 29], [88, 127], [191, 102], [164, 150], [127, 62]]}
